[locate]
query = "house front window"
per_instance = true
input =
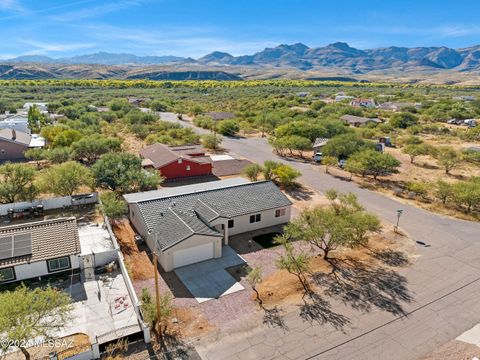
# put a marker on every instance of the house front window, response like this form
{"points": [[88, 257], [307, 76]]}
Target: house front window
{"points": [[231, 224], [255, 218], [188, 167], [7, 274], [58, 264], [280, 212]]}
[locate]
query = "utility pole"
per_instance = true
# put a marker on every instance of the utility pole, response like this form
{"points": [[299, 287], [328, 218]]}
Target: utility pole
{"points": [[157, 290]]}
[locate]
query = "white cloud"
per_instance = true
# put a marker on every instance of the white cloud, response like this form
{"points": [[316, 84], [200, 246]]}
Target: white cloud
{"points": [[12, 5], [96, 11], [43, 48]]}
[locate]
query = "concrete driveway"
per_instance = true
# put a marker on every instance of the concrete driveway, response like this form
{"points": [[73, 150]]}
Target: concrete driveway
{"points": [[209, 280]]}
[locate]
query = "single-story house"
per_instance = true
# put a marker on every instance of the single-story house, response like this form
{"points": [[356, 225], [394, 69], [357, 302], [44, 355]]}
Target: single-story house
{"points": [[398, 106], [41, 106], [368, 103], [358, 120], [37, 249], [319, 144], [220, 115], [340, 97], [31, 251], [16, 122], [189, 224], [465, 98], [13, 144], [226, 165], [177, 162]]}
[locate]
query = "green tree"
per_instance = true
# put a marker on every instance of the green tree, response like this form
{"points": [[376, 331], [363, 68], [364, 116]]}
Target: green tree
{"points": [[17, 183], [285, 175], [122, 173], [329, 161], [90, 148], [254, 277], [342, 146], [35, 154], [29, 314], [414, 150], [34, 118], [443, 191], [467, 194], [296, 262], [269, 167], [343, 223], [66, 137], [403, 120], [58, 155], [65, 179], [376, 163], [112, 205], [354, 166], [228, 127], [448, 157], [211, 141], [252, 171], [157, 105]]}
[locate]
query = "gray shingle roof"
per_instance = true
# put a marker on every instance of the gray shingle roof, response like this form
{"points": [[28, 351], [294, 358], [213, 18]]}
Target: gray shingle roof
{"points": [[50, 239], [229, 201], [175, 226], [205, 211]]}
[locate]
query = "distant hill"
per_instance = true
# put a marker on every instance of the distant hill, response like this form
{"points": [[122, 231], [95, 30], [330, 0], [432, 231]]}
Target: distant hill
{"points": [[294, 61]]}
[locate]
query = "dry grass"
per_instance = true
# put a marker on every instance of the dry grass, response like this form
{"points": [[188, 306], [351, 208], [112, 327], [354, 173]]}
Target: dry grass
{"points": [[282, 288], [138, 263]]}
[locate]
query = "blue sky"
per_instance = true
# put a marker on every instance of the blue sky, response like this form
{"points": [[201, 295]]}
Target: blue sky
{"points": [[196, 27]]}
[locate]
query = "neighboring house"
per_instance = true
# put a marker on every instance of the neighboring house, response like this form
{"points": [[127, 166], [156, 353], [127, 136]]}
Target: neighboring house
{"points": [[177, 162], [319, 144], [13, 144], [339, 98], [226, 165], [358, 120], [398, 106], [17, 122], [188, 224], [465, 98], [37, 249], [367, 103], [31, 251], [41, 106], [219, 115], [137, 101]]}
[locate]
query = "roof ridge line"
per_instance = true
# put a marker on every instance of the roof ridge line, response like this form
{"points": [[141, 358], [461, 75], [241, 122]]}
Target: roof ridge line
{"points": [[203, 191], [207, 205], [188, 226], [37, 223]]}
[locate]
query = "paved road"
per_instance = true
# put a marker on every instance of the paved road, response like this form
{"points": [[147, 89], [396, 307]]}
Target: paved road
{"points": [[444, 283]]}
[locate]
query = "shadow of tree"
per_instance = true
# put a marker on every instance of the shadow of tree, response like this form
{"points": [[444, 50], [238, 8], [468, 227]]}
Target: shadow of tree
{"points": [[362, 286], [274, 318], [300, 192], [317, 309], [174, 348], [391, 257]]}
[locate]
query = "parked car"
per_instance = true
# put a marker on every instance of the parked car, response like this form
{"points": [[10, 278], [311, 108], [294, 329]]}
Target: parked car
{"points": [[317, 157], [386, 140], [341, 163]]}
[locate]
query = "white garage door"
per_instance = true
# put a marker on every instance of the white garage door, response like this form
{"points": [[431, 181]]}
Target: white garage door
{"points": [[193, 255]]}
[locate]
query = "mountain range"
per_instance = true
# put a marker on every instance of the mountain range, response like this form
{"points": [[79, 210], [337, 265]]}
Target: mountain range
{"points": [[295, 60], [299, 56]]}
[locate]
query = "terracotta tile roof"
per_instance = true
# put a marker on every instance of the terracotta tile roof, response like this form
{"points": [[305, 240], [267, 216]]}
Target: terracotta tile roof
{"points": [[161, 155], [50, 239]]}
